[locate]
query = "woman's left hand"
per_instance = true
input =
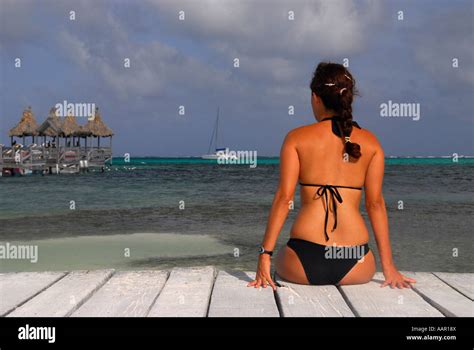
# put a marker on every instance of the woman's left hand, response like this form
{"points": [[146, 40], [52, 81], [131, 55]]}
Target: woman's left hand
{"points": [[395, 279]]}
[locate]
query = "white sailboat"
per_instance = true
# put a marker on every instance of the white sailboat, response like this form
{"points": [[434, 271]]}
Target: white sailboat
{"points": [[222, 153]]}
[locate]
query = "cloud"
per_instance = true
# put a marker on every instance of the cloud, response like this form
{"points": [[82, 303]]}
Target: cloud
{"points": [[262, 28], [16, 25], [75, 49], [191, 62], [270, 47], [154, 66], [450, 36]]}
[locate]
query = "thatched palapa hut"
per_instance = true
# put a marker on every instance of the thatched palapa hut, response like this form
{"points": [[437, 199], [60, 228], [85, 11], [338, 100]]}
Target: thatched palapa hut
{"points": [[70, 128], [98, 128], [63, 152], [52, 126], [26, 127]]}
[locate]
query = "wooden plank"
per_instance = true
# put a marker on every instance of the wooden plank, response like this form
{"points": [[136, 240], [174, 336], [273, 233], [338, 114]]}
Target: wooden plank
{"points": [[297, 300], [369, 300], [65, 296], [126, 294], [444, 298], [186, 293], [232, 298], [462, 282], [18, 287]]}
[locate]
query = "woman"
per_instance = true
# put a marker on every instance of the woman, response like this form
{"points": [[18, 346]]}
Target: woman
{"points": [[332, 160]]}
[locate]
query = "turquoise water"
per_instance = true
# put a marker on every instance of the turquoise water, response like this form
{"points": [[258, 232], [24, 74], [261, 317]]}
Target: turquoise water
{"points": [[189, 211]]}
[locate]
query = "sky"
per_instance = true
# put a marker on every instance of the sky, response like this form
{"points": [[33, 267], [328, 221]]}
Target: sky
{"points": [[191, 63]]}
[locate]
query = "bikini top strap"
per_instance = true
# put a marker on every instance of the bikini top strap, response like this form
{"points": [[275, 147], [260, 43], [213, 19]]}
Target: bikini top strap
{"points": [[319, 185], [354, 188], [336, 130]]}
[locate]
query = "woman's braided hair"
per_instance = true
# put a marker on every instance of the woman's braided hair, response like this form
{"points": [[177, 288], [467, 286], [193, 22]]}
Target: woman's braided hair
{"points": [[334, 84]]}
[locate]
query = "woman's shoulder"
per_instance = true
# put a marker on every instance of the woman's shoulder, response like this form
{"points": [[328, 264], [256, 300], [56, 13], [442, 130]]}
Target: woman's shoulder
{"points": [[364, 135], [369, 142], [299, 134], [369, 137], [303, 129], [310, 128]]}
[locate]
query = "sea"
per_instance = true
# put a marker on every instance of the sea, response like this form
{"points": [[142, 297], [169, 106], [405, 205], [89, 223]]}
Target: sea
{"points": [[160, 213]]}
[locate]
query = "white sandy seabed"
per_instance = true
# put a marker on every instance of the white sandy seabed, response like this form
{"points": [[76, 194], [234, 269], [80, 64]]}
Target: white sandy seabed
{"points": [[111, 251]]}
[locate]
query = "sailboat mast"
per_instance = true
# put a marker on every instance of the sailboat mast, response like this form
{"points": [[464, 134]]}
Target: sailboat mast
{"points": [[217, 126], [214, 134]]}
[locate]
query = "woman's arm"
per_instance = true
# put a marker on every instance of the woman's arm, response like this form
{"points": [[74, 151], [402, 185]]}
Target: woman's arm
{"points": [[375, 206], [289, 172]]}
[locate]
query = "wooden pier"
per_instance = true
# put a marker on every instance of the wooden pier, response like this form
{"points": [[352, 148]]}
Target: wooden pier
{"points": [[60, 160], [205, 291]]}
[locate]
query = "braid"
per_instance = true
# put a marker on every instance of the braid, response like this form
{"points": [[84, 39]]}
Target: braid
{"points": [[336, 87], [345, 112]]}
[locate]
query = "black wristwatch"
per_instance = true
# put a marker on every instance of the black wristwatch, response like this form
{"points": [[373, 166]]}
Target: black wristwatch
{"points": [[262, 250]]}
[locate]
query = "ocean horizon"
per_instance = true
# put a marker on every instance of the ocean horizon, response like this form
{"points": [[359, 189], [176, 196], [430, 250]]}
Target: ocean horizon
{"points": [[137, 160]]}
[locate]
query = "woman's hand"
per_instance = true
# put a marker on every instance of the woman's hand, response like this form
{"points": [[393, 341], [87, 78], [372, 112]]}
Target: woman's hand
{"points": [[395, 279], [262, 277]]}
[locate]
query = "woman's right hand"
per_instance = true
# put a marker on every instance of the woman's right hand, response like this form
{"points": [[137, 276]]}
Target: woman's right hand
{"points": [[263, 277], [394, 278]]}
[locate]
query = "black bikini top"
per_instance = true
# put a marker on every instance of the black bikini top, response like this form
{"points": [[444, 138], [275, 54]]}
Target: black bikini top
{"points": [[336, 122]]}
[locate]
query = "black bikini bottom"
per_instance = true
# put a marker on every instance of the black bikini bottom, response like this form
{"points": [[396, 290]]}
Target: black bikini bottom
{"points": [[326, 264]]}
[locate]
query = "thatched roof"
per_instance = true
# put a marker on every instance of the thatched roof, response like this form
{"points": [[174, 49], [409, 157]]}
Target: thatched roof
{"points": [[83, 130], [69, 126], [56, 126], [97, 126], [52, 126], [27, 125]]}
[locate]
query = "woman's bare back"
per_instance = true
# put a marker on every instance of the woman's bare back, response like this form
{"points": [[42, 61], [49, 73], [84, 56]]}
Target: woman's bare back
{"points": [[321, 158]]}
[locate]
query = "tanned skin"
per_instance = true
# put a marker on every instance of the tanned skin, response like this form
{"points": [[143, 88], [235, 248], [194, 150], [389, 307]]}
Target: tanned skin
{"points": [[313, 154]]}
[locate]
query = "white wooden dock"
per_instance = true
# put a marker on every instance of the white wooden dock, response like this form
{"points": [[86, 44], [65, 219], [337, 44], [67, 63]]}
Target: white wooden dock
{"points": [[204, 291]]}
